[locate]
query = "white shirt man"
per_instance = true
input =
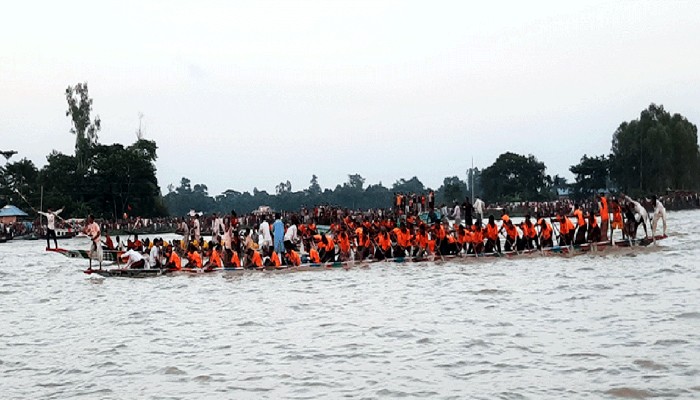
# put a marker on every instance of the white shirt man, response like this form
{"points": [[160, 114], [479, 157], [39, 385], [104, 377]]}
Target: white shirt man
{"points": [[479, 206], [291, 234], [659, 213], [133, 259], [197, 229], [457, 215], [51, 226], [641, 213], [154, 257], [264, 231]]}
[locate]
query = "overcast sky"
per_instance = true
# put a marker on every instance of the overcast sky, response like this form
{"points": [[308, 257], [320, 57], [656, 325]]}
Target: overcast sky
{"points": [[248, 94]]}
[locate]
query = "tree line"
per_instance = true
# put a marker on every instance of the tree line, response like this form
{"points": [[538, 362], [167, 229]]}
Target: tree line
{"points": [[652, 154]]}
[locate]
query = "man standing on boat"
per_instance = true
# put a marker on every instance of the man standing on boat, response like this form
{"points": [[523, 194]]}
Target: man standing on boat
{"points": [[51, 225], [659, 213], [479, 206], [278, 234], [93, 231]]}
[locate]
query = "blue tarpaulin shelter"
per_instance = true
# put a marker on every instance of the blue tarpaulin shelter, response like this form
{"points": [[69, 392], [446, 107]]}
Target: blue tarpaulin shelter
{"points": [[9, 214]]}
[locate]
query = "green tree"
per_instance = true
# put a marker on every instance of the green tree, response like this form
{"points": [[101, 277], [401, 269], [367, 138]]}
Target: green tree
{"points": [[413, 185], [452, 189], [19, 184], [314, 188], [656, 152], [591, 176], [84, 129], [513, 177]]}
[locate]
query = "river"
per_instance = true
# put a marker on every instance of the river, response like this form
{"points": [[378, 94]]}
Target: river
{"points": [[620, 324]]}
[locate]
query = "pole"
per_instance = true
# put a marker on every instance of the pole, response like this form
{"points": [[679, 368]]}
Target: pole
{"points": [[41, 201], [472, 178]]}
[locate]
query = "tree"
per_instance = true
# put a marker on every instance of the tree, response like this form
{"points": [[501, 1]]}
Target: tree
{"points": [[591, 176], [452, 189], [314, 188], [656, 152], [355, 181], [84, 129], [513, 177], [413, 185], [18, 183]]}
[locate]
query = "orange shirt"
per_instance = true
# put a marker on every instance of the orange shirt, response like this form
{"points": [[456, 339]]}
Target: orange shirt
{"points": [[403, 238], [294, 258], [314, 257], [546, 232], [256, 260], [511, 231], [344, 242], [175, 260], [235, 260], [491, 231], [215, 259], [579, 217], [604, 213], [275, 259], [384, 241], [195, 259], [477, 237]]}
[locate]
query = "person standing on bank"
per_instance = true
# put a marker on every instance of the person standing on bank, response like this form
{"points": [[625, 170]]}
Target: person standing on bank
{"points": [[51, 226]]}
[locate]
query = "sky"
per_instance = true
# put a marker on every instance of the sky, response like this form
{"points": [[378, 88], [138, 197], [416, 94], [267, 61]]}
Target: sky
{"points": [[244, 94]]}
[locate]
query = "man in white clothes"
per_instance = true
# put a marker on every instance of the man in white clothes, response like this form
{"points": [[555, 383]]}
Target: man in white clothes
{"points": [[133, 259], [264, 232], [457, 214], [93, 232], [479, 206], [51, 226], [217, 228], [659, 213], [641, 213], [154, 255], [196, 226]]}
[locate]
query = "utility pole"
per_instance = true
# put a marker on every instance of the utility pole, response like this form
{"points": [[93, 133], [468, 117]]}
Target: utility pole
{"points": [[8, 153]]}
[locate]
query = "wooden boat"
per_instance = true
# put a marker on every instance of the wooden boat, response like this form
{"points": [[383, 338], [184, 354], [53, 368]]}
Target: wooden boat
{"points": [[107, 255]]}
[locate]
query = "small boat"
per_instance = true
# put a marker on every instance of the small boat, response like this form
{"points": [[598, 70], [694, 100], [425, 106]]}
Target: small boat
{"points": [[107, 255]]}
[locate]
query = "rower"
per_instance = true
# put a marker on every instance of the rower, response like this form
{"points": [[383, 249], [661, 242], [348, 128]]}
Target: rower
{"points": [[253, 259], [173, 260], [133, 259], [546, 240], [641, 217], [616, 220], [580, 225], [193, 257], [604, 217], [594, 231], [214, 256], [93, 231], [493, 243], [154, 256]]}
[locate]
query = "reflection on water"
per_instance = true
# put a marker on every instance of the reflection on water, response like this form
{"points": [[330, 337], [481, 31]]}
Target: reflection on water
{"points": [[615, 325]]}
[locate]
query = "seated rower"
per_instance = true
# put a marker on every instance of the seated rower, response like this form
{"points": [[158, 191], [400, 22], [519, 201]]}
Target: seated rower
{"points": [[594, 233], [253, 259], [193, 257], [493, 242], [314, 257], [133, 259], [272, 259], [546, 237], [327, 249], [292, 258], [214, 257], [235, 260], [173, 260]]}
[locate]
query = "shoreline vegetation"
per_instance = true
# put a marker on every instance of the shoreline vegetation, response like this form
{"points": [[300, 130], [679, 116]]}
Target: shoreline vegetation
{"points": [[657, 153]]}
